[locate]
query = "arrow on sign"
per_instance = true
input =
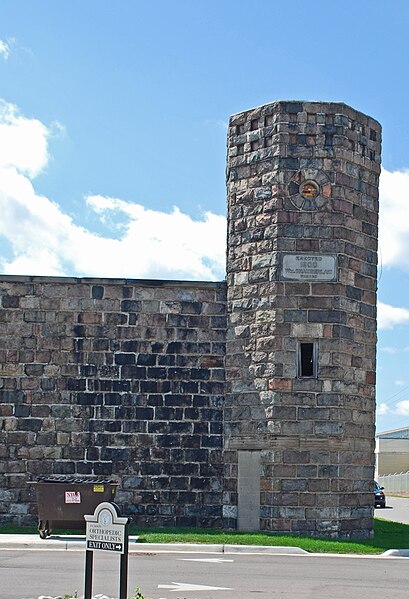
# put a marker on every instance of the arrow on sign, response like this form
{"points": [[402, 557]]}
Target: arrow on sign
{"points": [[185, 586], [211, 560]]}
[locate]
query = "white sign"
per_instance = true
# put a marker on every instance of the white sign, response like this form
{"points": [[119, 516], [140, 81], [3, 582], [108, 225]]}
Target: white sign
{"points": [[72, 497], [105, 531], [309, 267], [105, 538]]}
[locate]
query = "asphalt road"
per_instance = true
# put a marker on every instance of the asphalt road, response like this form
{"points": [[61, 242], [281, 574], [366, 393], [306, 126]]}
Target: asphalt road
{"points": [[397, 510], [29, 574]]}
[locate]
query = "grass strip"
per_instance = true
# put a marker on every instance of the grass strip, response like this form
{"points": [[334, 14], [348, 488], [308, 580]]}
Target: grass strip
{"points": [[387, 535]]}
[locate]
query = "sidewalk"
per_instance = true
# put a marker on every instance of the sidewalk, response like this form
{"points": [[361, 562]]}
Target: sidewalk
{"points": [[77, 543]]}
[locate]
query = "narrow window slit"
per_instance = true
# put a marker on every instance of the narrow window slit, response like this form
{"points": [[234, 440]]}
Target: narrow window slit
{"points": [[307, 360]]}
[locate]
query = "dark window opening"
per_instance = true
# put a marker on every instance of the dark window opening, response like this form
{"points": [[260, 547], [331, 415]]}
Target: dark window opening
{"points": [[328, 139], [307, 361]]}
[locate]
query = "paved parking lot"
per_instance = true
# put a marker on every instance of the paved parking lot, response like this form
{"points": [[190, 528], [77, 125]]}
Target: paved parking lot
{"points": [[397, 509]]}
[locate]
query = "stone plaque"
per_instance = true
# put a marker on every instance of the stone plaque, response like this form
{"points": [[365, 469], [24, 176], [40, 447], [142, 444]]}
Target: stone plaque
{"points": [[309, 267]]}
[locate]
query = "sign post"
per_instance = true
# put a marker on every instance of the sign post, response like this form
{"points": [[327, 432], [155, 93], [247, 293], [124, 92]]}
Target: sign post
{"points": [[106, 531]]}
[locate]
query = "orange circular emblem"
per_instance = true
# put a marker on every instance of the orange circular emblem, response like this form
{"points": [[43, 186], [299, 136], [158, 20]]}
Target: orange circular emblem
{"points": [[309, 189]]}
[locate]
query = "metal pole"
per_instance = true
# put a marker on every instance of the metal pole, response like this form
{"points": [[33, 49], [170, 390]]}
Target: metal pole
{"points": [[89, 557], [123, 572]]}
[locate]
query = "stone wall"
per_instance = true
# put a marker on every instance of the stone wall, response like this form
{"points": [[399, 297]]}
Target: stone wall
{"points": [[302, 186], [114, 378], [247, 405]]}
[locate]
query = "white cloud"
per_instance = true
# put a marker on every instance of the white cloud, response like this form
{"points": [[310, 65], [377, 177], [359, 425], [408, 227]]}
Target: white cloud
{"points": [[400, 383], [402, 407], [45, 240], [218, 123], [151, 243], [389, 350], [382, 409], [391, 316], [4, 49], [168, 243], [393, 220], [23, 141]]}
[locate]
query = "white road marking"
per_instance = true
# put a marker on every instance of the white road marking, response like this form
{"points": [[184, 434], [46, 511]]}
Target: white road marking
{"points": [[210, 560], [185, 586]]}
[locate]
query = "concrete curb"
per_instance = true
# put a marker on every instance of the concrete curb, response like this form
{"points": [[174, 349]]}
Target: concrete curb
{"points": [[396, 553], [266, 549], [226, 549]]}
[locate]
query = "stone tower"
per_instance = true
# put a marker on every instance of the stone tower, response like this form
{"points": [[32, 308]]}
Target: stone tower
{"points": [[302, 181]]}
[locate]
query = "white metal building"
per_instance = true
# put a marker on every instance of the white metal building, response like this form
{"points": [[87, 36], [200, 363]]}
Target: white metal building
{"points": [[392, 452]]}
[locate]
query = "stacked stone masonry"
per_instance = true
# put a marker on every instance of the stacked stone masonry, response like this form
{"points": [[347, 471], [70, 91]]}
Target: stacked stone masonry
{"points": [[121, 379], [314, 434], [243, 404]]}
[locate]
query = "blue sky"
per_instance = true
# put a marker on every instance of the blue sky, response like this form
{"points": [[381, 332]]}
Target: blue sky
{"points": [[113, 134]]}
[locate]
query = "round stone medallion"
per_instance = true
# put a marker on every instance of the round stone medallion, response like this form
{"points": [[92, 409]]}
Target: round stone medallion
{"points": [[309, 189]]}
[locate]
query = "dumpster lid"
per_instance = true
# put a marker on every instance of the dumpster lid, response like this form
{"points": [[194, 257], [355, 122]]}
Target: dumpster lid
{"points": [[76, 480]]}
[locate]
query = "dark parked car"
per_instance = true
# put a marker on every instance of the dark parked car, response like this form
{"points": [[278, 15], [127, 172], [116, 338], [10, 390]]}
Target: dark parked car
{"points": [[380, 499]]}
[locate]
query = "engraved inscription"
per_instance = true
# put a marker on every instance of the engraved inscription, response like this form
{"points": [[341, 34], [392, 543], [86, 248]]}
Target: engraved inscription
{"points": [[309, 267]]}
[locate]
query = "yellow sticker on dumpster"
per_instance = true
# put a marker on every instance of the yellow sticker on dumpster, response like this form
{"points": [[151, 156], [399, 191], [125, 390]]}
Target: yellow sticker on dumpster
{"points": [[99, 488]]}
